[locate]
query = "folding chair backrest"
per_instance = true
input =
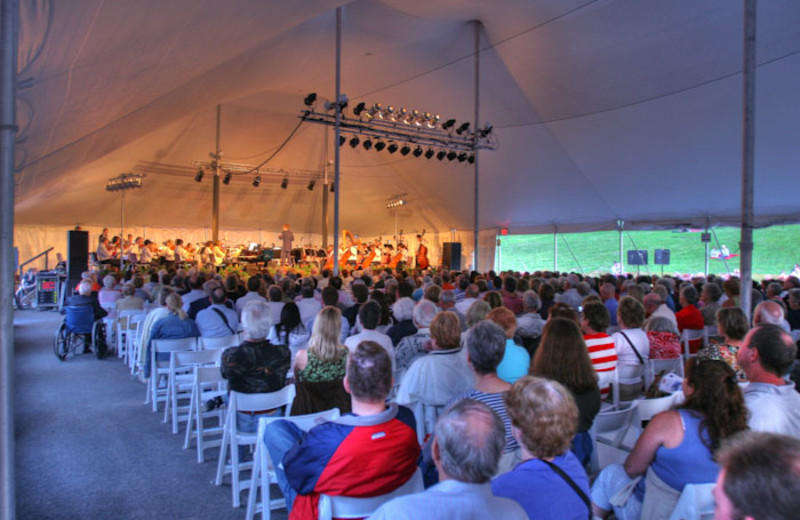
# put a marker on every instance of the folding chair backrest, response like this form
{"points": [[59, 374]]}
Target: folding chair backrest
{"points": [[207, 375], [696, 502], [174, 345], [711, 330], [221, 342], [657, 365], [256, 402], [124, 317], [351, 507], [646, 409], [616, 423], [80, 319], [691, 334], [196, 357]]}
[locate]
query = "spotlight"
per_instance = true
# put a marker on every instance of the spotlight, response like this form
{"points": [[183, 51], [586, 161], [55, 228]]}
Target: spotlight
{"points": [[403, 116], [361, 107], [441, 155], [227, 179], [367, 144], [333, 187], [448, 124], [462, 157], [451, 156], [310, 99], [354, 142], [431, 120], [199, 176], [311, 184], [486, 130], [414, 118], [256, 181], [375, 111], [390, 114], [285, 183], [405, 149], [463, 128], [380, 145], [392, 148], [417, 151], [471, 159], [342, 140], [429, 153]]}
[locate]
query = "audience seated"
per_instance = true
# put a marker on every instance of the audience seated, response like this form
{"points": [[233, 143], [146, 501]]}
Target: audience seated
{"points": [[516, 359], [290, 330], [530, 323], [370, 452], [710, 296], [218, 320], [665, 342], [175, 325], [550, 483], [562, 356], [602, 352], [633, 347], [129, 302], [369, 314], [108, 295], [253, 288], [466, 450], [731, 329], [413, 346], [676, 448]]}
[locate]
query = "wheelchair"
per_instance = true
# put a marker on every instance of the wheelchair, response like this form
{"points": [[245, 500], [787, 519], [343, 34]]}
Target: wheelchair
{"points": [[80, 330]]}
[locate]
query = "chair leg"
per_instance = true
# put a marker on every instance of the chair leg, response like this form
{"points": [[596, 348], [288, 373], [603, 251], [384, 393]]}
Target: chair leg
{"points": [[235, 482], [187, 439], [252, 493], [226, 439]]}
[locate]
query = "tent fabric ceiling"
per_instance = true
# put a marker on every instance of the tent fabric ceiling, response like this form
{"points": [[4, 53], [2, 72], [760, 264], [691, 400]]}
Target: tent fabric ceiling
{"points": [[603, 110]]}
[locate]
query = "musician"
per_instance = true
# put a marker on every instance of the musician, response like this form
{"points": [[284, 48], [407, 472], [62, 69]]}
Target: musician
{"points": [[422, 253], [286, 237]]}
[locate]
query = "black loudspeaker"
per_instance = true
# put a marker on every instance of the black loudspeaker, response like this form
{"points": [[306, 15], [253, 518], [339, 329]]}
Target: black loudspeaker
{"points": [[451, 256], [77, 258], [637, 257], [662, 257]]}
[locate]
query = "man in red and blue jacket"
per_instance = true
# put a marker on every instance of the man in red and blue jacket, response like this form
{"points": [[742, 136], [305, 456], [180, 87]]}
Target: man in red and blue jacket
{"points": [[367, 453]]}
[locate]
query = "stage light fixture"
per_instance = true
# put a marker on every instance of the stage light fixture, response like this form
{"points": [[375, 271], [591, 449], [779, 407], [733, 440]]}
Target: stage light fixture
{"points": [[367, 144], [462, 157], [429, 153], [285, 183], [227, 179], [405, 149], [486, 130], [256, 181], [342, 140], [310, 99], [375, 111], [392, 148], [417, 151], [441, 155], [380, 145], [390, 113], [431, 120], [198, 176], [354, 142], [414, 118], [360, 108], [471, 159], [333, 187], [463, 128], [403, 116], [451, 156], [447, 125], [311, 185]]}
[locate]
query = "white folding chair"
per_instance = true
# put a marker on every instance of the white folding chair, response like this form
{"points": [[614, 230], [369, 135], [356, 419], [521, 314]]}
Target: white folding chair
{"points": [[608, 431], [711, 331], [133, 339], [232, 438], [654, 366], [425, 415], [695, 503], [181, 378], [218, 343], [691, 334], [263, 468], [208, 384], [123, 322], [159, 369], [646, 409], [331, 506], [610, 378]]}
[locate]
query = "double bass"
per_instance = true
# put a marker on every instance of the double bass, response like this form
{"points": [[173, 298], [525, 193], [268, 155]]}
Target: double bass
{"points": [[422, 253]]}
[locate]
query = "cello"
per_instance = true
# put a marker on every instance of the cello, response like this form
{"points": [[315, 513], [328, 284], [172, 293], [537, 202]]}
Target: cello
{"points": [[422, 253]]}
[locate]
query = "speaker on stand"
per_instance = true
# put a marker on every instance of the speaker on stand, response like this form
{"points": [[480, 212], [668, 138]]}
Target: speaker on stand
{"points": [[451, 256], [77, 258]]}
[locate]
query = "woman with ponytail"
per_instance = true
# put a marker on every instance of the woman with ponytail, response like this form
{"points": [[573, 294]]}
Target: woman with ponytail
{"points": [[175, 325], [676, 448]]}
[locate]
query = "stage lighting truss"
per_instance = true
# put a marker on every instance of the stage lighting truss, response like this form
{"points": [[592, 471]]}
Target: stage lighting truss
{"points": [[280, 176], [126, 181], [396, 201], [395, 129]]}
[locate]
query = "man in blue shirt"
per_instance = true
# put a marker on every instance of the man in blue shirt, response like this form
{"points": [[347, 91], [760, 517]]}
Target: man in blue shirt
{"points": [[217, 320]]}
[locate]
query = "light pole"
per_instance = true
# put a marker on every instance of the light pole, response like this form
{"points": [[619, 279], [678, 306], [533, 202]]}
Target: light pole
{"points": [[122, 183]]}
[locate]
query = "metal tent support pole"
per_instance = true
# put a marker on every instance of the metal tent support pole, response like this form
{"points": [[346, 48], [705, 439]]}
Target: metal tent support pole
{"points": [[325, 188], [620, 227], [122, 233], [9, 13], [337, 132], [748, 154], [555, 248], [215, 200], [476, 224], [706, 245]]}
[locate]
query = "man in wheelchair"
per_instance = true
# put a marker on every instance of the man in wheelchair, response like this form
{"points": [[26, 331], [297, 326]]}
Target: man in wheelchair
{"points": [[83, 324]]}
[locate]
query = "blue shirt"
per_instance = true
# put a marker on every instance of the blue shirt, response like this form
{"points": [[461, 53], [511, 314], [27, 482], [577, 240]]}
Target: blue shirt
{"points": [[212, 325], [542, 492], [612, 304], [515, 363]]}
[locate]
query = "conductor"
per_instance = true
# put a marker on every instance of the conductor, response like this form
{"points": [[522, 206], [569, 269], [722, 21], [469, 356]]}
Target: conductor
{"points": [[286, 237]]}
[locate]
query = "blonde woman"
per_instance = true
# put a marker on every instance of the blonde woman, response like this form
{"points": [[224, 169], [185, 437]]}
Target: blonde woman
{"points": [[325, 359], [175, 325]]}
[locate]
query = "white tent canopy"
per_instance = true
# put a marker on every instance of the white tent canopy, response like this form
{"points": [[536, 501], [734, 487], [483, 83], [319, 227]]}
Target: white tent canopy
{"points": [[603, 111]]}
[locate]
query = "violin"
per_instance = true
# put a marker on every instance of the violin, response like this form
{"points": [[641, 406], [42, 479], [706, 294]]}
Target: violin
{"points": [[422, 253]]}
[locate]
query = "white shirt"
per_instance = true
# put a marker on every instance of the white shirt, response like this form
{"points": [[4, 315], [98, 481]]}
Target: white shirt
{"points": [[773, 408], [251, 296], [435, 378], [464, 305], [308, 307], [625, 354], [371, 335]]}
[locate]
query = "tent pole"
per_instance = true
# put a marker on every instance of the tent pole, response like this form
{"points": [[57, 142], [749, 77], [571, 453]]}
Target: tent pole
{"points": [[476, 224], [215, 200], [337, 131], [707, 243], [122, 233], [748, 155], [9, 13], [325, 196], [555, 247], [620, 226]]}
